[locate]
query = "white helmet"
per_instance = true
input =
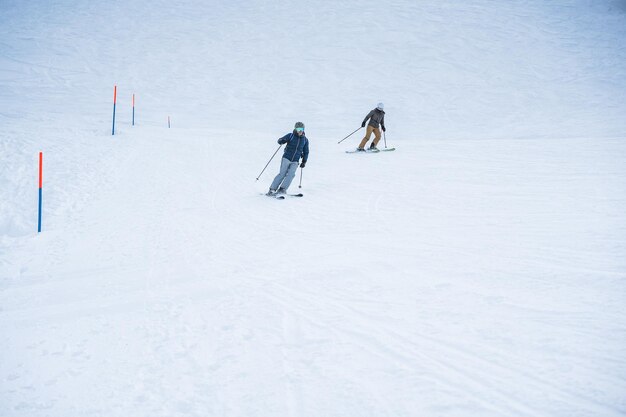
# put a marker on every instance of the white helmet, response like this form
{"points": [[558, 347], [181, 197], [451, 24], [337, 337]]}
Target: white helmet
{"points": [[380, 106]]}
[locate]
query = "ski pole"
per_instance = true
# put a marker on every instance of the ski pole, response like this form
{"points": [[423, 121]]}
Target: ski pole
{"points": [[350, 134], [300, 186], [268, 162], [385, 136]]}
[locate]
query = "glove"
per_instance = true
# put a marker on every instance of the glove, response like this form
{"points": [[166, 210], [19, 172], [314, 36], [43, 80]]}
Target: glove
{"points": [[363, 124], [384, 130], [302, 165]]}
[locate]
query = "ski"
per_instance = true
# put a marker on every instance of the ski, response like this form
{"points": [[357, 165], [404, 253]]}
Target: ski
{"points": [[276, 196], [282, 196], [371, 151]]}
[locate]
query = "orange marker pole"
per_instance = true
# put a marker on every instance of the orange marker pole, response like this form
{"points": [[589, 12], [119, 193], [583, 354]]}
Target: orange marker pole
{"points": [[40, 190], [114, 103]]}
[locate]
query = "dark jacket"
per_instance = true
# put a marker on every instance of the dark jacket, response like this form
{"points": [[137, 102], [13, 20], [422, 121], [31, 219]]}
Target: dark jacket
{"points": [[297, 146], [377, 118]]}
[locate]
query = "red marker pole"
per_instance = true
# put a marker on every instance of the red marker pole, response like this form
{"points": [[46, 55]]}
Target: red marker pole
{"points": [[133, 110], [114, 103], [40, 190]]}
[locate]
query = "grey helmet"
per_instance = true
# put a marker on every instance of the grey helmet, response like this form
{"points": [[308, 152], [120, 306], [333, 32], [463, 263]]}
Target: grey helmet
{"points": [[299, 124], [380, 106]]}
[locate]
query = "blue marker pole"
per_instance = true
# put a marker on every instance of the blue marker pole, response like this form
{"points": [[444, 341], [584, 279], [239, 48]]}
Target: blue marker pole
{"points": [[114, 103], [40, 191]]}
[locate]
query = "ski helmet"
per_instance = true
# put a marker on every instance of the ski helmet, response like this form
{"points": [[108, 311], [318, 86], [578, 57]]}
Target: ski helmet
{"points": [[299, 124], [380, 106]]}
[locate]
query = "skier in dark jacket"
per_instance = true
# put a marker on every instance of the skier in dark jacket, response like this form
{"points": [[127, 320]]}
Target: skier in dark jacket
{"points": [[297, 147], [376, 118]]}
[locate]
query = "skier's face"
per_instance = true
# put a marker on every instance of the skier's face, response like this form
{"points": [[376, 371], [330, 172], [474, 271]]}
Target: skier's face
{"points": [[300, 131]]}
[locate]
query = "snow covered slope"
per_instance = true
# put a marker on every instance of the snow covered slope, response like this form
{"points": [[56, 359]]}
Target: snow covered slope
{"points": [[478, 270]]}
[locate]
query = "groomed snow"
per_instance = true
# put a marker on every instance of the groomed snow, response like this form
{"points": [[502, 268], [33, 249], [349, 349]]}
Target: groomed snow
{"points": [[478, 270]]}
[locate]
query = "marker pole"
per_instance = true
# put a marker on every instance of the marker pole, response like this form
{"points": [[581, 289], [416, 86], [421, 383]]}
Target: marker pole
{"points": [[40, 190], [133, 110], [168, 122], [114, 103]]}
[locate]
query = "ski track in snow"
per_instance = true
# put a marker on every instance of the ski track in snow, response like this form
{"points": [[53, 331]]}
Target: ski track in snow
{"points": [[478, 270]]}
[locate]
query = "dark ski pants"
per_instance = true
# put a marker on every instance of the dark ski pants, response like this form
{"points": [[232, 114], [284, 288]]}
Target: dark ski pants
{"points": [[286, 174]]}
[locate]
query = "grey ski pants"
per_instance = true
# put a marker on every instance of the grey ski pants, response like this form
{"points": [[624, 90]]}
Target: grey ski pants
{"points": [[286, 174]]}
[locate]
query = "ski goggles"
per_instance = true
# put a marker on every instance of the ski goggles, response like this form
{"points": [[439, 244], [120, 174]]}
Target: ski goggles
{"points": [[299, 129]]}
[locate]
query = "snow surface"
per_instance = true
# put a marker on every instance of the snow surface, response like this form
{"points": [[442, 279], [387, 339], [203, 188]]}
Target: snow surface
{"points": [[478, 270]]}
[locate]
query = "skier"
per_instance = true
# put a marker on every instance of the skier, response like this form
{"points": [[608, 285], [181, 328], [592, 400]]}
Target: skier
{"points": [[297, 147], [376, 118]]}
